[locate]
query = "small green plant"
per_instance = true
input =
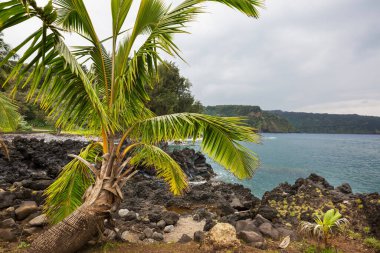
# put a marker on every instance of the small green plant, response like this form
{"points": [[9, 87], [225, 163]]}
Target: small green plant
{"points": [[23, 245], [324, 225], [367, 230], [372, 242]]}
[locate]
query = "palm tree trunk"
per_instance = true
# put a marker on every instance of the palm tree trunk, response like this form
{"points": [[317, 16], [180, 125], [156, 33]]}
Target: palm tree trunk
{"points": [[69, 235], [82, 225]]}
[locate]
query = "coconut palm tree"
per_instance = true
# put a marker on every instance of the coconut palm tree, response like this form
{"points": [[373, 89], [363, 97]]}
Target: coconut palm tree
{"points": [[324, 225], [109, 98]]}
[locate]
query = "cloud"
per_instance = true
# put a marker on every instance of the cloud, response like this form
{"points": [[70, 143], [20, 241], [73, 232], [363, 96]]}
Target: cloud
{"points": [[300, 54], [345, 107]]}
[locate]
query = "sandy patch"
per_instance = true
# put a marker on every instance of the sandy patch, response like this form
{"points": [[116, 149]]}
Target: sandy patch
{"points": [[185, 225]]}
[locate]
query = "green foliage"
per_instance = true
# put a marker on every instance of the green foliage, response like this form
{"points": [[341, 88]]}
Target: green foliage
{"points": [[367, 230], [166, 167], [221, 138], [23, 126], [9, 117], [171, 92], [65, 194], [372, 242], [23, 245], [324, 225], [354, 235], [331, 123], [262, 120]]}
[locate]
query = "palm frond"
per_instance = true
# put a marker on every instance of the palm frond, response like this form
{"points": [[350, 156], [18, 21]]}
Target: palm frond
{"points": [[221, 137], [13, 12], [65, 195], [9, 117], [166, 167], [248, 7], [120, 9]]}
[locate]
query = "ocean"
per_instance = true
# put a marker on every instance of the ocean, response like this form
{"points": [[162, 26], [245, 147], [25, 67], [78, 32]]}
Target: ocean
{"points": [[340, 158]]}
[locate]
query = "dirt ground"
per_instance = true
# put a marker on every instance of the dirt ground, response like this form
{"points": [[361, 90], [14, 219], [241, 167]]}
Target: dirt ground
{"points": [[342, 244]]}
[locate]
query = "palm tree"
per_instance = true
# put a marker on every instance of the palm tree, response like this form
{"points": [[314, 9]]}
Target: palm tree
{"points": [[324, 225], [109, 98]]}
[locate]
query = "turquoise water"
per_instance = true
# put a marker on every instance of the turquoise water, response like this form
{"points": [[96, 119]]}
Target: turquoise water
{"points": [[354, 159]]}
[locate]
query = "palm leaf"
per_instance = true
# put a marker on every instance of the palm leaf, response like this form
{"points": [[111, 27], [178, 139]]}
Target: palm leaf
{"points": [[221, 137], [9, 117], [65, 195], [166, 167]]}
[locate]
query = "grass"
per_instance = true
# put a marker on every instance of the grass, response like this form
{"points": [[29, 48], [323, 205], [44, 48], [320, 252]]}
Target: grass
{"points": [[372, 242], [84, 132]]}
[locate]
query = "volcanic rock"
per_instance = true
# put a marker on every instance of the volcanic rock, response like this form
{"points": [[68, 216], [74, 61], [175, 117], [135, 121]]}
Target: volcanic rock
{"points": [[25, 209]]}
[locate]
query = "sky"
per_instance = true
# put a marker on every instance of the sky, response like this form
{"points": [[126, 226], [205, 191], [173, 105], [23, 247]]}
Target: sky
{"points": [[300, 55]]}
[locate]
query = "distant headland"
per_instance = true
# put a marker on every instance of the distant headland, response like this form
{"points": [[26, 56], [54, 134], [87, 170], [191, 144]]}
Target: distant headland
{"points": [[277, 121]]}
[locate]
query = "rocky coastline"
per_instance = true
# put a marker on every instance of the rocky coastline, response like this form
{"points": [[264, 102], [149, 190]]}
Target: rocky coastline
{"points": [[150, 213]]}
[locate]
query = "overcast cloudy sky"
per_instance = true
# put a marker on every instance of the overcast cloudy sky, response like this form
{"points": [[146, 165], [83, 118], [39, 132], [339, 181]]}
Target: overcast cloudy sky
{"points": [[301, 55]]}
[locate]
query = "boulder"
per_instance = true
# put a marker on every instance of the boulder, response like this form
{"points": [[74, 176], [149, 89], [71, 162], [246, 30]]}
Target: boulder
{"points": [[246, 225], [259, 219], [39, 221], [284, 232], [110, 234], [169, 229], [6, 199], [210, 223], [123, 212], [268, 212], [185, 239], [345, 188], [236, 204], [148, 232], [6, 234], [38, 185], [31, 230], [222, 236], [225, 209], [158, 236], [128, 236], [131, 215], [199, 236], [268, 230], [8, 223], [154, 216], [250, 236], [25, 209], [161, 224], [170, 218]]}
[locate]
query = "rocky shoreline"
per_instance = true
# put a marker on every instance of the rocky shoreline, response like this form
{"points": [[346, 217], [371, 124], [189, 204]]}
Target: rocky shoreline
{"points": [[150, 213]]}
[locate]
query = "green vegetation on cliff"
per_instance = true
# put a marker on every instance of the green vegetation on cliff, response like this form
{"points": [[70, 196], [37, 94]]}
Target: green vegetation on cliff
{"points": [[300, 122], [331, 123], [262, 120]]}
